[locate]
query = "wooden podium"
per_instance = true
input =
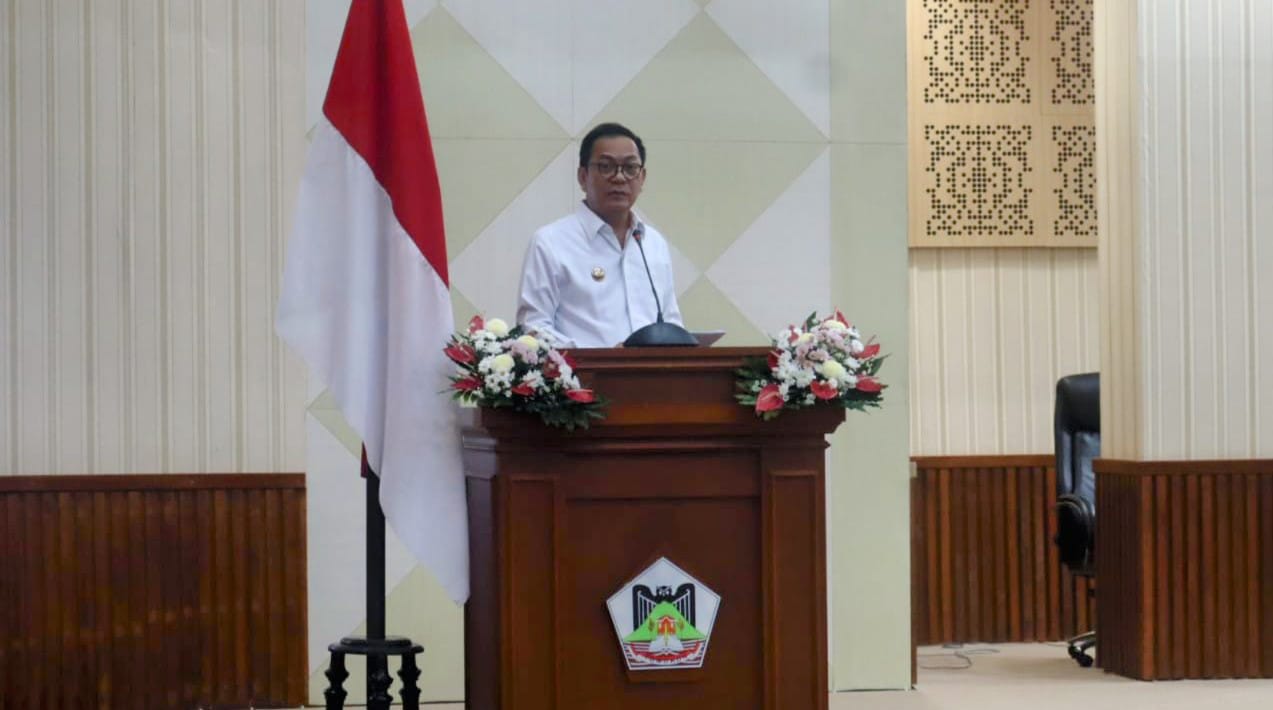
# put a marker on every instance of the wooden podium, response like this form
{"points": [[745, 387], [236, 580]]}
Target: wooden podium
{"points": [[560, 521]]}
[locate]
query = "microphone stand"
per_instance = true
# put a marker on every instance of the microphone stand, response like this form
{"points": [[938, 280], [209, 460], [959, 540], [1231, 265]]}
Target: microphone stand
{"points": [[657, 334]]}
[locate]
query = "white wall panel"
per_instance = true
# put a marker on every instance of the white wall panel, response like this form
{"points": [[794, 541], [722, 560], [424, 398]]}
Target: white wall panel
{"points": [[1259, 108], [991, 332], [149, 153], [8, 249], [1207, 79], [1119, 165]]}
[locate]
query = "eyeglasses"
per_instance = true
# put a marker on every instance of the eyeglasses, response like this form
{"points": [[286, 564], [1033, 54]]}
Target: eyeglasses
{"points": [[607, 169]]}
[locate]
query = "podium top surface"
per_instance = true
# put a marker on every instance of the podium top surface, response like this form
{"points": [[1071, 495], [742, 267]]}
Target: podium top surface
{"points": [[661, 392]]}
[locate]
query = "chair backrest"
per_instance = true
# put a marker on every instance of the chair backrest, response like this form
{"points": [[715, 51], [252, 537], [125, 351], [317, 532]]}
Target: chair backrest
{"points": [[1077, 426], [1078, 433]]}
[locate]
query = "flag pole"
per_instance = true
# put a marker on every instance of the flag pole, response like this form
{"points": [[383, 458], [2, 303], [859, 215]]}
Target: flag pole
{"points": [[375, 570], [375, 646]]}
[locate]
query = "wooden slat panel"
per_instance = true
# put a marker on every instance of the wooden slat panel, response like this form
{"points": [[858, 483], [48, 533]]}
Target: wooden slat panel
{"points": [[1266, 577], [1185, 555], [985, 565], [177, 596]]}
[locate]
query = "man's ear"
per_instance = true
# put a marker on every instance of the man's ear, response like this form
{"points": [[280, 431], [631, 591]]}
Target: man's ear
{"points": [[579, 174]]}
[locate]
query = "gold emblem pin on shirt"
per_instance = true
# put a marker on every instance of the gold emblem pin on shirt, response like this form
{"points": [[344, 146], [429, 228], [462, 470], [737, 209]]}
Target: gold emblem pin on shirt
{"points": [[598, 273]]}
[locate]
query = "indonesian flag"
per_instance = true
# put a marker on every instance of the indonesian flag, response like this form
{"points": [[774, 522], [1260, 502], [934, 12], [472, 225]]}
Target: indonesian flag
{"points": [[365, 293]]}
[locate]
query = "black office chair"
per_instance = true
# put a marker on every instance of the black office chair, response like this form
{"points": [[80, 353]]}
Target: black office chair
{"points": [[1078, 440]]}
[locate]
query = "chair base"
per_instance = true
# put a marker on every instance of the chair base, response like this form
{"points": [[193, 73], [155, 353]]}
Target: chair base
{"points": [[1078, 647]]}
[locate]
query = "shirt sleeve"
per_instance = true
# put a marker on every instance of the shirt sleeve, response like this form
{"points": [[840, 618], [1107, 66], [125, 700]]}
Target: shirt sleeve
{"points": [[538, 296]]}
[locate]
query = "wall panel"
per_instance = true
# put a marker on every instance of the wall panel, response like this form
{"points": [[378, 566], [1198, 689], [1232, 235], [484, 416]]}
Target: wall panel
{"points": [[152, 591], [146, 150], [991, 331], [1187, 564], [985, 569], [1002, 143]]}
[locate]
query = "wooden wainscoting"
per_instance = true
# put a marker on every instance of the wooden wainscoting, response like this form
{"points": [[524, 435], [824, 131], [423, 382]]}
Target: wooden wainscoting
{"points": [[984, 567], [1187, 559], [152, 591]]}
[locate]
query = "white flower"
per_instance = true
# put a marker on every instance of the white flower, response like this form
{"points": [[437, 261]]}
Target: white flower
{"points": [[498, 382], [783, 389], [497, 327], [502, 363], [786, 372], [535, 379], [808, 398], [529, 342], [850, 382], [804, 338], [831, 370], [804, 377], [856, 346]]}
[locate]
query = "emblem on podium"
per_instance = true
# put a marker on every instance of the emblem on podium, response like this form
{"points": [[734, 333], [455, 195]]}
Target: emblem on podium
{"points": [[663, 618]]}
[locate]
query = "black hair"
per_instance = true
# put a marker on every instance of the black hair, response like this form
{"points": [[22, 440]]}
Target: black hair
{"points": [[606, 130]]}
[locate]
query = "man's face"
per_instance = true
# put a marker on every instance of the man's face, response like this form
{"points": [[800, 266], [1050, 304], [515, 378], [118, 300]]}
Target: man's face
{"points": [[611, 196]]}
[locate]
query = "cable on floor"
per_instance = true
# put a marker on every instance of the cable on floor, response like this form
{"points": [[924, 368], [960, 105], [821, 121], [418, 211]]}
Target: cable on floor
{"points": [[958, 659]]}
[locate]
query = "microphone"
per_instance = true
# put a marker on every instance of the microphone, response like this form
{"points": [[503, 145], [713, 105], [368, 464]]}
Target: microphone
{"points": [[657, 334]]}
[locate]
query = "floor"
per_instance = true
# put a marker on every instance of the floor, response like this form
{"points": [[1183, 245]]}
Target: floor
{"points": [[1042, 677], [1038, 677]]}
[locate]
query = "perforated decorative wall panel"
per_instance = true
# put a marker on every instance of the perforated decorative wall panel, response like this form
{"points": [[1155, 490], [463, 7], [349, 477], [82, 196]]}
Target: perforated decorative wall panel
{"points": [[1074, 169], [1069, 49], [1001, 109], [974, 52], [978, 180]]}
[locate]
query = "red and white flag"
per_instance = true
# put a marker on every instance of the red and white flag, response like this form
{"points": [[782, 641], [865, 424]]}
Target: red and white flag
{"points": [[365, 296]]}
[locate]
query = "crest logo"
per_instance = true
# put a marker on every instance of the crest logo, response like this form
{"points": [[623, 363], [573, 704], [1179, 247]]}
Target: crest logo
{"points": [[663, 618]]}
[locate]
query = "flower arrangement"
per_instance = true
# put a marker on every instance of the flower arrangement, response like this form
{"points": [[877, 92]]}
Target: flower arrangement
{"points": [[824, 360], [502, 367]]}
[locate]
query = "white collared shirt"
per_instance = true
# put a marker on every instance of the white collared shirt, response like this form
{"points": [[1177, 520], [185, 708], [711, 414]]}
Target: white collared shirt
{"points": [[583, 290]]}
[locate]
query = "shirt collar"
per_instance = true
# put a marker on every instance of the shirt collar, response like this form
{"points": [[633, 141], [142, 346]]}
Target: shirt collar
{"points": [[592, 223]]}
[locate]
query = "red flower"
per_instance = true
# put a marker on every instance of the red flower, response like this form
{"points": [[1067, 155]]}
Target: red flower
{"points": [[475, 324], [869, 384], [773, 359], [468, 384], [840, 317], [823, 390], [769, 399], [551, 371], [583, 396], [461, 354], [523, 389], [569, 360], [869, 351]]}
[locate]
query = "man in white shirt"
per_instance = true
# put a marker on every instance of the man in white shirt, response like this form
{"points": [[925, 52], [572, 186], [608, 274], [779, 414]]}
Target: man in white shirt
{"points": [[583, 280]]}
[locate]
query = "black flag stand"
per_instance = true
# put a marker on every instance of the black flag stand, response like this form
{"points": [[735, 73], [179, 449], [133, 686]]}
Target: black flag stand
{"points": [[375, 645]]}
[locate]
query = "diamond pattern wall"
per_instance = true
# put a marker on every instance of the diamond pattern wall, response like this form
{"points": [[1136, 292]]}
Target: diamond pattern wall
{"points": [[734, 99]]}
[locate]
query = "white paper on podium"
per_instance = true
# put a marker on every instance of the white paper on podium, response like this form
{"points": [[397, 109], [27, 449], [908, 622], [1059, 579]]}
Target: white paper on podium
{"points": [[707, 337]]}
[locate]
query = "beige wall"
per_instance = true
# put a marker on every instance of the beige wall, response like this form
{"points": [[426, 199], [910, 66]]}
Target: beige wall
{"points": [[991, 332], [147, 161], [1186, 180]]}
